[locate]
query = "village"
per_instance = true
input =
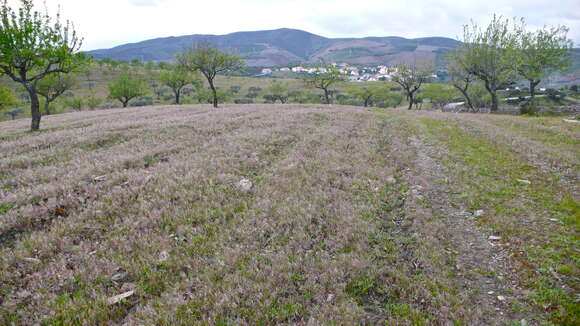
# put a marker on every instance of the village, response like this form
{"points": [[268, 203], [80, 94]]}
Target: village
{"points": [[355, 74]]}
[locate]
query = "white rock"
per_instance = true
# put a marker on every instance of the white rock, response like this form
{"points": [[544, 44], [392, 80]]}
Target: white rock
{"points": [[490, 292], [391, 180], [163, 256], [32, 260], [330, 297], [478, 213], [493, 237], [523, 181], [501, 298], [245, 185], [119, 276], [117, 298]]}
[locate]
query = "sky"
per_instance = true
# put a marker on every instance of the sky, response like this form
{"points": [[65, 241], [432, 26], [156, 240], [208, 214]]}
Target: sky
{"points": [[107, 23]]}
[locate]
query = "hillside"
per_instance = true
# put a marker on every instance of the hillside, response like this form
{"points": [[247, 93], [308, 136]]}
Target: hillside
{"points": [[285, 46], [288, 215]]}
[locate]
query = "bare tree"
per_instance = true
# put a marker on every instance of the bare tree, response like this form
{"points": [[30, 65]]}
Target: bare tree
{"points": [[411, 78]]}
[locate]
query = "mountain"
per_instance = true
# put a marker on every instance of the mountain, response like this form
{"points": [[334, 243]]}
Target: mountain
{"points": [[285, 46]]}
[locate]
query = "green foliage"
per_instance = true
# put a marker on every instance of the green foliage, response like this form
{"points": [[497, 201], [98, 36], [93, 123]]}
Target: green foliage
{"points": [[205, 95], [439, 95], [7, 98], [541, 53], [75, 103], [53, 86], [323, 79], [93, 102], [176, 79], [33, 46], [489, 54], [411, 78], [370, 95], [209, 61], [278, 92], [126, 87]]}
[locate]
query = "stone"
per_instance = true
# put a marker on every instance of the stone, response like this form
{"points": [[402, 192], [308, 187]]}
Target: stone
{"points": [[493, 237], [163, 256], [118, 298], [32, 260], [479, 213], [525, 182], [119, 276], [391, 180], [501, 298], [245, 185]]}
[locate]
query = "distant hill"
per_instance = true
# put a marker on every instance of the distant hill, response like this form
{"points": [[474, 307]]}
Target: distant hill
{"points": [[285, 46]]}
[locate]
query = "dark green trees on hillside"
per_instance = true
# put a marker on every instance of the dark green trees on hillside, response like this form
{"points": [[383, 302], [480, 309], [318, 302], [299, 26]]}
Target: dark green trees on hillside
{"points": [[34, 46]]}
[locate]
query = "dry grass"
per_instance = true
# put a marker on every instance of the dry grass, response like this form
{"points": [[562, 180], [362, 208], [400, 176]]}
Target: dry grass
{"points": [[342, 225]]}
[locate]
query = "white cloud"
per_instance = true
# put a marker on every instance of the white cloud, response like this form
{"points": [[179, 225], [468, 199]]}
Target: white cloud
{"points": [[107, 23]]}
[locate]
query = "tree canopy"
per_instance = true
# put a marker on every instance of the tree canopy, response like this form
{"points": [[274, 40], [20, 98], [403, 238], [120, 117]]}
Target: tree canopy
{"points": [[323, 79], [126, 87], [33, 46], [411, 78], [209, 61]]}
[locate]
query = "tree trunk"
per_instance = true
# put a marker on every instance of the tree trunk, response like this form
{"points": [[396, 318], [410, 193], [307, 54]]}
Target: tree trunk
{"points": [[34, 107], [47, 108], [177, 96], [125, 103], [492, 89], [326, 96], [494, 101], [533, 84], [410, 96], [214, 92], [466, 96]]}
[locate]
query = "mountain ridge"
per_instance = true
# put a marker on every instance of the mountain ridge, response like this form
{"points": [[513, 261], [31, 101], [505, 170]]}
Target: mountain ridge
{"points": [[285, 46]]}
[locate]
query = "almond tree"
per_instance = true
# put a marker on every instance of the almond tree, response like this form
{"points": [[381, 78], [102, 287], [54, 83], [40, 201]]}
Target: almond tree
{"points": [[177, 79], [411, 78], [542, 53], [489, 54], [210, 62], [53, 86], [323, 78], [461, 79], [34, 46], [126, 87]]}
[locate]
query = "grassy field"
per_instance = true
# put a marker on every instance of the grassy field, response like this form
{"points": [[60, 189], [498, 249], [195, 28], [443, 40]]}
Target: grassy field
{"points": [[289, 214]]}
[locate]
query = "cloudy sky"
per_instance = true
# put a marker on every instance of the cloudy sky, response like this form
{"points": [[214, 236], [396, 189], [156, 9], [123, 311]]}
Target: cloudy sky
{"points": [[106, 23]]}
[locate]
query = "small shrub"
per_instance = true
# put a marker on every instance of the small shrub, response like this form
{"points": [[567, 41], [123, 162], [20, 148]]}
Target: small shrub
{"points": [[75, 103], [93, 102], [243, 101]]}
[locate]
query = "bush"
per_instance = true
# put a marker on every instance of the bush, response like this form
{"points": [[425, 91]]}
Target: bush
{"points": [[75, 103], [555, 94], [243, 101], [93, 102]]}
